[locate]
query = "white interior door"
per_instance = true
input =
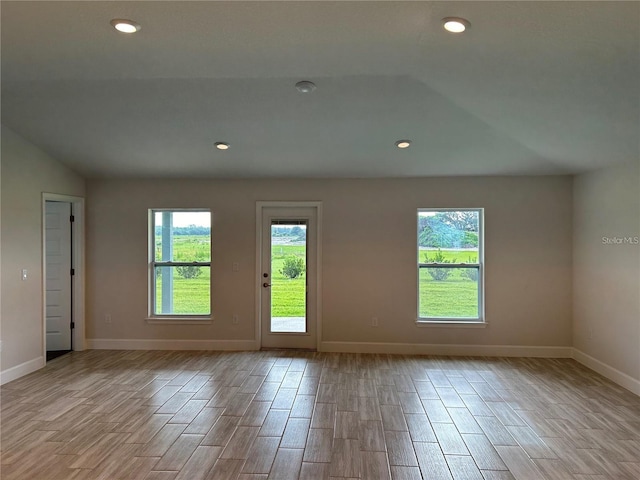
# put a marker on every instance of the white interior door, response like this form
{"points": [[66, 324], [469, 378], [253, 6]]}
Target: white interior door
{"points": [[58, 281], [288, 280]]}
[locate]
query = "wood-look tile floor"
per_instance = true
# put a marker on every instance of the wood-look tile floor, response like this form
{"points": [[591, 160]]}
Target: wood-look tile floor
{"points": [[286, 415]]}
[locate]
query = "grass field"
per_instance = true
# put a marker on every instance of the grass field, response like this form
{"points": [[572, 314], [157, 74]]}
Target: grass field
{"points": [[287, 295], [190, 295], [454, 297], [460, 256]]}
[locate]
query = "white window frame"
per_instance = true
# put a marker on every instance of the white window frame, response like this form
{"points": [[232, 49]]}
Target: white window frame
{"points": [[461, 321], [168, 318]]}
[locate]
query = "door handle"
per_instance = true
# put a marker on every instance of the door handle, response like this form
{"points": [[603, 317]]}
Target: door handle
{"points": [[265, 284]]}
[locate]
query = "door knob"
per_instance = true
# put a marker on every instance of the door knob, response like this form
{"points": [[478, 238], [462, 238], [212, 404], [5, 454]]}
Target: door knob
{"points": [[265, 284]]}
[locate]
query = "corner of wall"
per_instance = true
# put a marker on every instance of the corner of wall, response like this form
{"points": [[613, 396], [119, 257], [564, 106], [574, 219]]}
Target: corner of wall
{"points": [[607, 371]]}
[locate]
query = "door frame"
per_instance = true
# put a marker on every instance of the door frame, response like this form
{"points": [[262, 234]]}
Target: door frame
{"points": [[260, 205], [78, 279]]}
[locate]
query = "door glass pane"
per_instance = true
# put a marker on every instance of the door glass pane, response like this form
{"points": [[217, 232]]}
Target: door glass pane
{"points": [[289, 276]]}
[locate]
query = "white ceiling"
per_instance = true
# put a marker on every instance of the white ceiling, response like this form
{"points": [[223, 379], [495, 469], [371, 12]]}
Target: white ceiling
{"points": [[531, 88]]}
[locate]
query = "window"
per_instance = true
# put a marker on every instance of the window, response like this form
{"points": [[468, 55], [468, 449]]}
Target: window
{"points": [[450, 265], [180, 263]]}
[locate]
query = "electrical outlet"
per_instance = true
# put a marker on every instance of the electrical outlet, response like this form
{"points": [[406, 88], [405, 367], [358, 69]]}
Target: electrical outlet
{"points": [[107, 318], [236, 267], [234, 319], [24, 274], [374, 321]]}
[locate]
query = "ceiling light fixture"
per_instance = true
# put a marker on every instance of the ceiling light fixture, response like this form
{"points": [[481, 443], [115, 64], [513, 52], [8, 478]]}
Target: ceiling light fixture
{"points": [[125, 26], [222, 145], [305, 86], [403, 143], [455, 24]]}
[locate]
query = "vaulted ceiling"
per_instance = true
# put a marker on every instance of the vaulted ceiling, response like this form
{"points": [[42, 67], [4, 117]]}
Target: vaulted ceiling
{"points": [[531, 88]]}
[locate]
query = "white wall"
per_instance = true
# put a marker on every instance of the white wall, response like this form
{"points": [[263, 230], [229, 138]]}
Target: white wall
{"points": [[606, 279], [27, 172], [369, 256]]}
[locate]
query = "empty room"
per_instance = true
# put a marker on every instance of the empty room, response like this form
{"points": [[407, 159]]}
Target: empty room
{"points": [[320, 239]]}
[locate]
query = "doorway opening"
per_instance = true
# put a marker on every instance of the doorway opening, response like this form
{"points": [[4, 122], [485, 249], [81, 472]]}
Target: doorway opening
{"points": [[63, 275], [59, 271]]}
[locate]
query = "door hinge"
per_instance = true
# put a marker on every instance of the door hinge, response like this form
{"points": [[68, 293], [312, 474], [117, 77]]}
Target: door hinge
{"points": [[72, 219], [73, 271], [73, 325]]}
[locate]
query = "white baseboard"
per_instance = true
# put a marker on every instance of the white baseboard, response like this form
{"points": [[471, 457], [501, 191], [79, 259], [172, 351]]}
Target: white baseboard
{"points": [[453, 350], [21, 370], [608, 371], [344, 347], [157, 344]]}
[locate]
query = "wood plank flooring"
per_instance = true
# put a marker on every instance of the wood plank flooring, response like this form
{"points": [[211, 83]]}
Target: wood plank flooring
{"points": [[299, 415]]}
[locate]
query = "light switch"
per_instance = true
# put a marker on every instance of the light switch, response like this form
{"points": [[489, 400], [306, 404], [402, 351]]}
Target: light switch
{"points": [[24, 274], [236, 267]]}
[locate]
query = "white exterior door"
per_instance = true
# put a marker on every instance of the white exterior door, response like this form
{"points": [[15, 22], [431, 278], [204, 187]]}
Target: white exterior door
{"points": [[58, 281], [288, 278]]}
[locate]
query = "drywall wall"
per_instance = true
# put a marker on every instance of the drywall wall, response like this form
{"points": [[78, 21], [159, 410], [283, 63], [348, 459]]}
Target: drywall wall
{"points": [[369, 256], [606, 280], [27, 172]]}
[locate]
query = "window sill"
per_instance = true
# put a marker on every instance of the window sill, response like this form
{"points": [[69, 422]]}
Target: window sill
{"points": [[179, 320], [451, 324]]}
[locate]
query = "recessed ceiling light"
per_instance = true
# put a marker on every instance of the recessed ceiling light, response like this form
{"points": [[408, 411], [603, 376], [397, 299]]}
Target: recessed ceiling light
{"points": [[455, 25], [305, 86], [403, 143], [125, 26], [222, 145]]}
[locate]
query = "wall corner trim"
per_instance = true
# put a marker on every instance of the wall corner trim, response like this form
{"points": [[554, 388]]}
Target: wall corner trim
{"points": [[169, 344], [21, 370], [613, 374], [448, 349]]}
